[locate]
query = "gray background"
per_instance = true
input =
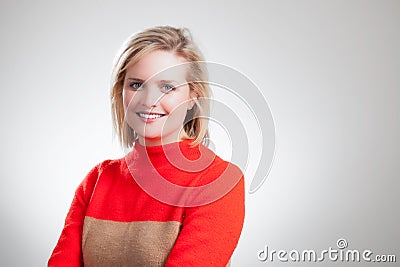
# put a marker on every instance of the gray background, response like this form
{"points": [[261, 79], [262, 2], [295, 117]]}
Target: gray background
{"points": [[330, 72]]}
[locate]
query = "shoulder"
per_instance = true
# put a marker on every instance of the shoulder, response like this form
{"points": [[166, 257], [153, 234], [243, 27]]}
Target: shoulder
{"points": [[221, 182], [218, 164], [220, 168], [113, 167], [106, 166]]}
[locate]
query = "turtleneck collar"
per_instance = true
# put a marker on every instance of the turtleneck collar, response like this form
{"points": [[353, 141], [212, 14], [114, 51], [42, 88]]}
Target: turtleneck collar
{"points": [[174, 148], [179, 154]]}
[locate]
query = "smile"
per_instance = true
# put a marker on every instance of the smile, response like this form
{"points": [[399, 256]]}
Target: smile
{"points": [[150, 115]]}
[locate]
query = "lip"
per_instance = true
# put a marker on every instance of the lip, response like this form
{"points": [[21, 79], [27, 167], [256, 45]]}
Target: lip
{"points": [[147, 112], [150, 113]]}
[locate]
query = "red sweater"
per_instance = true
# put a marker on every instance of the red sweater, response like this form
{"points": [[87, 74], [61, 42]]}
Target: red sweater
{"points": [[120, 216]]}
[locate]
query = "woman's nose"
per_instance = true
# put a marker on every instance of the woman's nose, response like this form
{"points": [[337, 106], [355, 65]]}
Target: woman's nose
{"points": [[151, 96]]}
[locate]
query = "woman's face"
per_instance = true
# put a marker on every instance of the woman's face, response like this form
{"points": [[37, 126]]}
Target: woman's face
{"points": [[156, 98]]}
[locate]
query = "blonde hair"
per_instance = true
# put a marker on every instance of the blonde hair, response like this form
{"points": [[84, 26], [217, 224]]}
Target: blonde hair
{"points": [[180, 42]]}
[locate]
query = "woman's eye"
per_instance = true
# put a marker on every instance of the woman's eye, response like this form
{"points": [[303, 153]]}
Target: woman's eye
{"points": [[167, 87], [136, 85]]}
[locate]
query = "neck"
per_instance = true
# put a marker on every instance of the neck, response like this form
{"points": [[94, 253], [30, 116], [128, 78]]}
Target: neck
{"points": [[162, 141]]}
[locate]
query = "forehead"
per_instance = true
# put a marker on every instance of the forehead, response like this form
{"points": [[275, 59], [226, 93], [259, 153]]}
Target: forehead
{"points": [[160, 65]]}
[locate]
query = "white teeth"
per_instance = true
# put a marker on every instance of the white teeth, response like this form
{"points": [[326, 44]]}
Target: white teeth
{"points": [[149, 116]]}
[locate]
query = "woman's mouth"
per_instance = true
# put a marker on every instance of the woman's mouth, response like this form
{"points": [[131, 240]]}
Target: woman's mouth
{"points": [[147, 117]]}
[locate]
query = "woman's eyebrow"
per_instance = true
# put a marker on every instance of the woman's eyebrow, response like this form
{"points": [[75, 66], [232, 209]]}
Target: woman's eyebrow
{"points": [[135, 79], [168, 81]]}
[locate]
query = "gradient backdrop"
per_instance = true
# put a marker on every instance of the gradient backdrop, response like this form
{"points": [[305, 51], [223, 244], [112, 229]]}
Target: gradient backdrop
{"points": [[330, 71]]}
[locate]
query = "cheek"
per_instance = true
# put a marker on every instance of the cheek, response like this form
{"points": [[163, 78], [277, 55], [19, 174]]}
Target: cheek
{"points": [[177, 105], [127, 98], [177, 102]]}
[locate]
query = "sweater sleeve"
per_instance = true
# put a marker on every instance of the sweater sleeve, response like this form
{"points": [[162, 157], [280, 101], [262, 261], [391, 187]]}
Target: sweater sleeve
{"points": [[211, 232], [68, 250]]}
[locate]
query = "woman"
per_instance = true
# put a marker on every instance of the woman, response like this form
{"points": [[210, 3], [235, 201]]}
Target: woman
{"points": [[170, 201]]}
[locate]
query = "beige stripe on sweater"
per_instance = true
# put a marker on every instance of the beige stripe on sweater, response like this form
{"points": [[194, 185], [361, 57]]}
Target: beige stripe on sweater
{"points": [[110, 243]]}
